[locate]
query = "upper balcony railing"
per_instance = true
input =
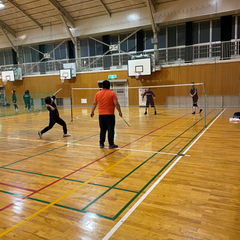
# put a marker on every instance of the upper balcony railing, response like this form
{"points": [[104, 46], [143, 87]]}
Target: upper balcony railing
{"points": [[199, 53]]}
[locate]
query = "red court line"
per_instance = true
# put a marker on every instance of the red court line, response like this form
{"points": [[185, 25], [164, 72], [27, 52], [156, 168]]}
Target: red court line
{"points": [[37, 191], [9, 185]]}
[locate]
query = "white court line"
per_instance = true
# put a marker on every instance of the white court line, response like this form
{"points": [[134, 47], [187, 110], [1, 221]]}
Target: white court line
{"points": [[134, 150], [157, 112], [122, 220], [84, 145]]}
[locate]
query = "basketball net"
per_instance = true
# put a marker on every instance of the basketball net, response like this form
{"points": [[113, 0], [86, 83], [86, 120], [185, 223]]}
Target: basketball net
{"points": [[4, 80], [137, 74], [62, 79]]}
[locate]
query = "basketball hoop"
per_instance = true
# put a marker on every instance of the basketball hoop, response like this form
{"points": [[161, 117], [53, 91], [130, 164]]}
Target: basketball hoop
{"points": [[62, 78], [137, 74], [4, 80]]}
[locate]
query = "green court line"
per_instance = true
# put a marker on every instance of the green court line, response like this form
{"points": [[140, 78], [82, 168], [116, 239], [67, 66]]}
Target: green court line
{"points": [[141, 165], [137, 193], [47, 151], [123, 209]]}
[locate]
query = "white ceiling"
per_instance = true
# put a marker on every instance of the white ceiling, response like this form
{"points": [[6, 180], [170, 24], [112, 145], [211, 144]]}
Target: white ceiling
{"points": [[22, 15]]}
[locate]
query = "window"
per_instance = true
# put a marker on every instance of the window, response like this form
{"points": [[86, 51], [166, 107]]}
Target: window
{"points": [[92, 47], [162, 38], [99, 47], [181, 35], [148, 39], [60, 52], [84, 48], [35, 54], [49, 49], [216, 30], [123, 45], [113, 41], [132, 43], [172, 36], [27, 55], [233, 28], [1, 58], [204, 31], [238, 28], [195, 33]]}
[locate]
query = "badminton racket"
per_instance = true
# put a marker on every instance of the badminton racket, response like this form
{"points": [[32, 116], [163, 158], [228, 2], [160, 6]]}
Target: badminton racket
{"points": [[125, 121]]}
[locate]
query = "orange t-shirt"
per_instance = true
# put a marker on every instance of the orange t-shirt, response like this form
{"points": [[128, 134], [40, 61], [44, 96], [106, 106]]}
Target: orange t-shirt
{"points": [[105, 99]]}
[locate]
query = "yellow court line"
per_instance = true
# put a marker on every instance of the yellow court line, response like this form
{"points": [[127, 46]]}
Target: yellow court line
{"points": [[75, 189]]}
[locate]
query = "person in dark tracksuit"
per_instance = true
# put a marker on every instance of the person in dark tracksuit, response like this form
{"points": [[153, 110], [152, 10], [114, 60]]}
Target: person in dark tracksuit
{"points": [[27, 98], [54, 116], [194, 96], [150, 96], [14, 100]]}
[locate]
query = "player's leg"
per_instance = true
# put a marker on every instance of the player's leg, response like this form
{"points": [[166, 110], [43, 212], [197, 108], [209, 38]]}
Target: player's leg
{"points": [[103, 129], [51, 124], [194, 108], [64, 125], [111, 126], [147, 106], [153, 106]]}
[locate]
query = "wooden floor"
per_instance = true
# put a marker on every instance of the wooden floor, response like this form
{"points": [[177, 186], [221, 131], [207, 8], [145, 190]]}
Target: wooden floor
{"points": [[171, 178]]}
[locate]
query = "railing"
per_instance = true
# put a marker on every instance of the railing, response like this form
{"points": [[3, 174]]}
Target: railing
{"points": [[208, 52]]}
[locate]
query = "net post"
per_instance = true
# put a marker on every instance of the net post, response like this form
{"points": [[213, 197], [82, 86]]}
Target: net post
{"points": [[204, 90], [71, 105]]}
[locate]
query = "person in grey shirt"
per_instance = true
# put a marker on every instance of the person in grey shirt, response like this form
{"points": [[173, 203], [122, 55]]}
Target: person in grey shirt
{"points": [[194, 96]]}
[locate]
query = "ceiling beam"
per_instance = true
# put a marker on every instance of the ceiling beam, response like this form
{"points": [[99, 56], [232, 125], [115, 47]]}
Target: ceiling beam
{"points": [[7, 28], [151, 16], [63, 12], [153, 5], [69, 32], [26, 14], [105, 8], [9, 40]]}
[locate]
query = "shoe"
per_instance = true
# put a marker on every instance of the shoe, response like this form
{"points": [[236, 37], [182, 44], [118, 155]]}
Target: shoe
{"points": [[193, 112], [39, 134], [66, 135], [145, 113], [200, 111], [155, 113], [113, 146], [101, 145]]}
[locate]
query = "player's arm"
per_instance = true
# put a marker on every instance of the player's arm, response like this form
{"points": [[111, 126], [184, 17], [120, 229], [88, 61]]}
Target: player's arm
{"points": [[93, 108], [117, 105], [50, 106], [57, 92]]}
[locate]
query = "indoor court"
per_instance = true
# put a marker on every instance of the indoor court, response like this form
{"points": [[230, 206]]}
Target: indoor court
{"points": [[69, 188]]}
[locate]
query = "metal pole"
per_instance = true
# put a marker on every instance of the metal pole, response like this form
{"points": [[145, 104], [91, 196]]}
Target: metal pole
{"points": [[204, 90], [71, 105]]}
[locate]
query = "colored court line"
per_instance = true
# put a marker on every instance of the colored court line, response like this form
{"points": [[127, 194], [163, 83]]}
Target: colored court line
{"points": [[9, 185], [57, 200], [81, 167], [146, 161], [113, 187], [122, 220]]}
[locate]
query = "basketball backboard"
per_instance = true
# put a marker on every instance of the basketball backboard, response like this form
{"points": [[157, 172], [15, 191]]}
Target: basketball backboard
{"points": [[141, 66]]}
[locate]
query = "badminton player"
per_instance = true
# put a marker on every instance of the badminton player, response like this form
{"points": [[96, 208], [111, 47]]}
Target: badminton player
{"points": [[107, 101], [194, 96], [54, 116], [150, 96]]}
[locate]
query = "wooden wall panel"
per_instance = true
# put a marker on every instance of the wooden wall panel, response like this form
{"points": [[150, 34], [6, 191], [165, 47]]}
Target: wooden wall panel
{"points": [[220, 78]]}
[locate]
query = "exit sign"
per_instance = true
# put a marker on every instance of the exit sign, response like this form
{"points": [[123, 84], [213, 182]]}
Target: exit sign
{"points": [[112, 76]]}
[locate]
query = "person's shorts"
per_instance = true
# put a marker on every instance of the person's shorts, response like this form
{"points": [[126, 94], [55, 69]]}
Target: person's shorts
{"points": [[150, 102]]}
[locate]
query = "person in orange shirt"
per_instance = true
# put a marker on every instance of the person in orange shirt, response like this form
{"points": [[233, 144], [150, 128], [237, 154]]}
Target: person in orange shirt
{"points": [[106, 101]]}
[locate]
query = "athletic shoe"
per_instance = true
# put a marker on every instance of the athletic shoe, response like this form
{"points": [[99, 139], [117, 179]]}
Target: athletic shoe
{"points": [[39, 134], [101, 145], [145, 113], [200, 111], [193, 112], [66, 135], [112, 146], [155, 113]]}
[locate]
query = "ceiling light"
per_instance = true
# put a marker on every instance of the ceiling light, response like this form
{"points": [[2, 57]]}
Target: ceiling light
{"points": [[1, 5]]}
